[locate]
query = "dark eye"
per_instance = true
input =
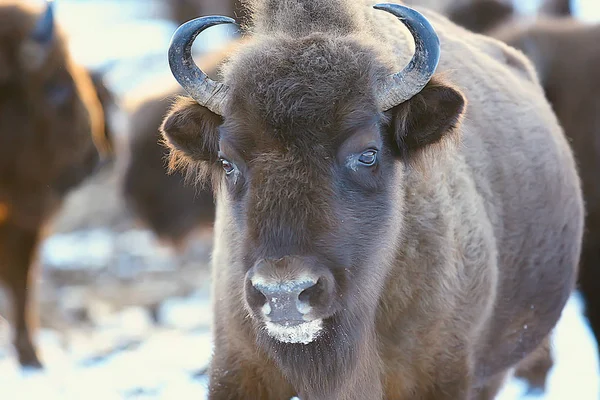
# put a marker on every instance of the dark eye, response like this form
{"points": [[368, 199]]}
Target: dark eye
{"points": [[368, 158], [227, 166]]}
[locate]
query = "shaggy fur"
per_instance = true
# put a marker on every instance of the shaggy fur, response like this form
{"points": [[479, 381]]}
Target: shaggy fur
{"points": [[563, 53], [161, 200], [50, 121], [452, 257]]}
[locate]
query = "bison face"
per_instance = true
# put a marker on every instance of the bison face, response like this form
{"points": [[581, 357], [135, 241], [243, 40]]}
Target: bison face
{"points": [[51, 121], [308, 160], [310, 195]]}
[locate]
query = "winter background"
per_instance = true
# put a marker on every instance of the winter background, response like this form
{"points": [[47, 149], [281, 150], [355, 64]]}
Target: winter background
{"points": [[125, 317]]}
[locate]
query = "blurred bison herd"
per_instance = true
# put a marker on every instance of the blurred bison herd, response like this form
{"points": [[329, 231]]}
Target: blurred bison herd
{"points": [[55, 133]]}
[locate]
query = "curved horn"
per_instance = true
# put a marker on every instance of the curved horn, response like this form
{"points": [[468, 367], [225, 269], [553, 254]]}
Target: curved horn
{"points": [[44, 28], [199, 86], [399, 87]]}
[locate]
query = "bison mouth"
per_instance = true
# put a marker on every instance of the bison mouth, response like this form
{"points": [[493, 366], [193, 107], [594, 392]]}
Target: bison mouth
{"points": [[302, 332]]}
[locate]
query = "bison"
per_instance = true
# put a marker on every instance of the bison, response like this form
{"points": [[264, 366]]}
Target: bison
{"points": [[484, 16], [387, 226], [184, 10], [158, 200], [481, 16], [567, 69], [558, 8], [566, 81], [52, 136]]}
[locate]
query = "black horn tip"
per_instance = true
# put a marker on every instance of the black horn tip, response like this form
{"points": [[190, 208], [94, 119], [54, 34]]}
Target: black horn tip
{"points": [[44, 28], [420, 28], [196, 83], [184, 36], [192, 28]]}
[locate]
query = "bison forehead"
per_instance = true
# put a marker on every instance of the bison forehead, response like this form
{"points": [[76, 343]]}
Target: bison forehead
{"points": [[308, 82], [290, 197]]}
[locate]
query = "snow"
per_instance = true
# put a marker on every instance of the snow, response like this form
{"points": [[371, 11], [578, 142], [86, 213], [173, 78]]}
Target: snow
{"points": [[129, 357], [302, 333], [576, 372], [126, 359]]}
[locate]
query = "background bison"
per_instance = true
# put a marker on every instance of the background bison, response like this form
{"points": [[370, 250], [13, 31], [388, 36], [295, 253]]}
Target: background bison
{"points": [[483, 16], [161, 201], [51, 128], [170, 207], [184, 10], [317, 154]]}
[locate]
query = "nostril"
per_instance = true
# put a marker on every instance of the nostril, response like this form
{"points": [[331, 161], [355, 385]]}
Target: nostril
{"points": [[311, 296], [255, 297]]}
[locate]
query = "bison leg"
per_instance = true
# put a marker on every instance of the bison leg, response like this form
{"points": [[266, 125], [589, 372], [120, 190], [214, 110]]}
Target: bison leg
{"points": [[17, 248], [535, 368], [491, 389], [589, 283]]}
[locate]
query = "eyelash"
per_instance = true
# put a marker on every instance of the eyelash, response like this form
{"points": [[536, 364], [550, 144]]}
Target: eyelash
{"points": [[370, 157], [227, 165]]}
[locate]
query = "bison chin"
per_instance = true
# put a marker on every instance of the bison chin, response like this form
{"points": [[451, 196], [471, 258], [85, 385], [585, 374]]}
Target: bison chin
{"points": [[319, 345]]}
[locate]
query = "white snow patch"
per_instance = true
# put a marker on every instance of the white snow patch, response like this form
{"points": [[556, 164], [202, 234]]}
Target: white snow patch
{"points": [[586, 10], [575, 373], [185, 313], [85, 249], [282, 285], [303, 333]]}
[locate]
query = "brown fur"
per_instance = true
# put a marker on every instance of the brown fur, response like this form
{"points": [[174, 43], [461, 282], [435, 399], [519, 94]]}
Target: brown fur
{"points": [[498, 18], [558, 8], [535, 368], [184, 10], [565, 56], [483, 16], [451, 259], [50, 119], [108, 102], [160, 200]]}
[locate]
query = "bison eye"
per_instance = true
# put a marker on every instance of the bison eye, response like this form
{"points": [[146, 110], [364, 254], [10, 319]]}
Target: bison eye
{"points": [[227, 166], [368, 158]]}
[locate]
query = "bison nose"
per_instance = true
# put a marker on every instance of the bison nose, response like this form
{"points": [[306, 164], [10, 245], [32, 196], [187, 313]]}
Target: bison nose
{"points": [[289, 291], [285, 302]]}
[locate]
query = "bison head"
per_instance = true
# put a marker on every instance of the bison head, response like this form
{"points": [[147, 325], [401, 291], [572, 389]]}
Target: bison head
{"points": [[307, 141], [51, 120]]}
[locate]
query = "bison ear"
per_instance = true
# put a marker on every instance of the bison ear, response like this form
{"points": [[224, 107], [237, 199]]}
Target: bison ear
{"points": [[429, 117], [191, 132]]}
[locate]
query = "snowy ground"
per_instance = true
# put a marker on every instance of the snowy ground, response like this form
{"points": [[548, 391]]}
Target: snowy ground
{"points": [[130, 356], [125, 318]]}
